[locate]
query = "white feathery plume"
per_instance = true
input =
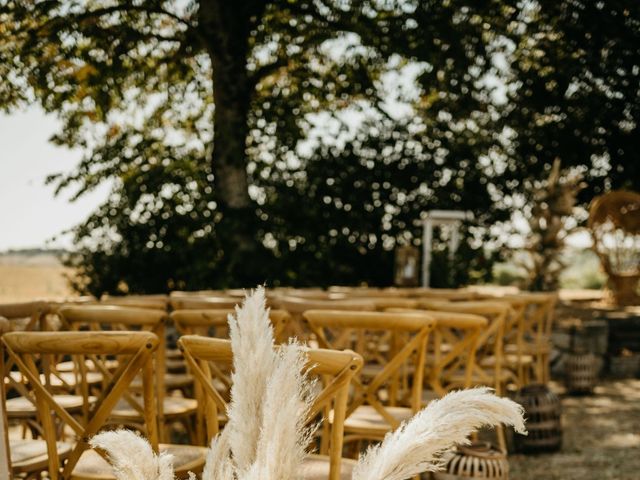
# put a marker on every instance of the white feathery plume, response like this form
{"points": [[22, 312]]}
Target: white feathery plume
{"points": [[218, 464], [283, 436], [417, 446], [132, 457], [251, 337]]}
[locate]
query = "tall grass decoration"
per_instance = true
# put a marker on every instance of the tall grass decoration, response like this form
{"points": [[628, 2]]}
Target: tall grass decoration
{"points": [[265, 437]]}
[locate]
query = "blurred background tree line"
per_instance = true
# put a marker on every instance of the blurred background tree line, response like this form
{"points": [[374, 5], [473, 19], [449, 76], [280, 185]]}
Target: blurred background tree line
{"points": [[297, 142]]}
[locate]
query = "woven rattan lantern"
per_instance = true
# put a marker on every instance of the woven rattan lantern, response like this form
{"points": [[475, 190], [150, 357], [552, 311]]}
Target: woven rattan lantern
{"points": [[581, 372], [543, 411], [479, 460]]}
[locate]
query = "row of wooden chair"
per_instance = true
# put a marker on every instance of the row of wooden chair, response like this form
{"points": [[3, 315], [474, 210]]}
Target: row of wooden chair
{"points": [[464, 347]]}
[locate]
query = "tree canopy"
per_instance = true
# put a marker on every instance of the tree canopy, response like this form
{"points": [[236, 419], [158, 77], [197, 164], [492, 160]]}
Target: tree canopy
{"points": [[297, 141]]}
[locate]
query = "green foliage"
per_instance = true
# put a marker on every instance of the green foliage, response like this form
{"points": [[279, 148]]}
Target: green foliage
{"points": [[204, 114], [575, 81]]}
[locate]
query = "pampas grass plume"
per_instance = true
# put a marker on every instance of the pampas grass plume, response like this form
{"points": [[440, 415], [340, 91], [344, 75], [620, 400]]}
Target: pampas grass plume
{"points": [[417, 446], [132, 457]]}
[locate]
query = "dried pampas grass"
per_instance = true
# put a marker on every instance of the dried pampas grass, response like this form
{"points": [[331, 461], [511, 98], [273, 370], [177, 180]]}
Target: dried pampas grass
{"points": [[132, 457], [253, 362], [265, 437], [418, 444]]}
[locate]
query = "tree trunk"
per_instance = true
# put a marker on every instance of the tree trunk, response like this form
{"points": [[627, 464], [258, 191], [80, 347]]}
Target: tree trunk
{"points": [[225, 27]]}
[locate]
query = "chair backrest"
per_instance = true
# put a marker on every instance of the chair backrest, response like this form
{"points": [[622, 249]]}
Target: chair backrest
{"points": [[28, 316], [214, 323], [201, 302], [452, 349], [296, 306], [452, 294], [536, 315], [119, 318], [334, 368], [153, 302], [396, 342], [28, 349], [490, 342]]}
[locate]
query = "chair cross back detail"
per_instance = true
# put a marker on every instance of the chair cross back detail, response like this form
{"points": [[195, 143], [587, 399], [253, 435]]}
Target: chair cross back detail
{"points": [[24, 347], [416, 325], [118, 318], [201, 322], [459, 333], [336, 369]]}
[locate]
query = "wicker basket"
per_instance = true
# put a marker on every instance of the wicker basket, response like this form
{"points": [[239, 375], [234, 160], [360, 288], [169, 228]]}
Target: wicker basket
{"points": [[581, 372], [479, 460], [543, 411]]}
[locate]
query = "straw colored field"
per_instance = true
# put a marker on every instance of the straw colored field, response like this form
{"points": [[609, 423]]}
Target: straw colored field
{"points": [[32, 277]]}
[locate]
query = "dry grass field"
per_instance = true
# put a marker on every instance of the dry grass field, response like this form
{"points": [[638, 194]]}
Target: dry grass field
{"points": [[32, 277]]}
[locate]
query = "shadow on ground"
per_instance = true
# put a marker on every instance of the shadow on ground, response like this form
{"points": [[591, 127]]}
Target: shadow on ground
{"points": [[601, 438]]}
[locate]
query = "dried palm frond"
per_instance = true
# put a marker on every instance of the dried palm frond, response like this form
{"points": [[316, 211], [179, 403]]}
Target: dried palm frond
{"points": [[417, 446], [132, 457]]}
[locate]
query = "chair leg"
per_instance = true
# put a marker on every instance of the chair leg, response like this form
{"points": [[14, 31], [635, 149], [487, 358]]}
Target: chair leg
{"points": [[501, 437]]}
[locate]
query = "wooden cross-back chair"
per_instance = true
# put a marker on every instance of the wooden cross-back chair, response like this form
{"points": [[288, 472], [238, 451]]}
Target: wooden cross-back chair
{"points": [[296, 306], [490, 368], [450, 294], [71, 459], [335, 370], [453, 361], [198, 302], [528, 337], [364, 292], [27, 316], [451, 351], [20, 407], [152, 302], [214, 323], [101, 317], [381, 402]]}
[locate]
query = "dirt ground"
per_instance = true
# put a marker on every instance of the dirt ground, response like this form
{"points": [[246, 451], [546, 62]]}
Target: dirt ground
{"points": [[601, 438]]}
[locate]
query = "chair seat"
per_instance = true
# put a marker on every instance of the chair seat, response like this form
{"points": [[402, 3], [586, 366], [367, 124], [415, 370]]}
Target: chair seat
{"points": [[531, 348], [508, 359], [366, 420], [505, 375], [370, 370], [172, 406], [316, 467], [62, 380], [91, 466], [31, 455], [174, 354], [172, 381], [21, 407], [175, 365], [69, 366]]}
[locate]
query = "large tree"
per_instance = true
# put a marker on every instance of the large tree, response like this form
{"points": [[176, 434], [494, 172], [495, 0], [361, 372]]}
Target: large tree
{"points": [[204, 115], [182, 103], [574, 93]]}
